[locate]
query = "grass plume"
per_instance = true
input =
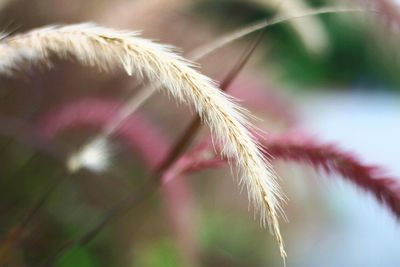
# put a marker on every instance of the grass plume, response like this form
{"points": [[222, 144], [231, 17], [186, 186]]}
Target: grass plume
{"points": [[108, 49], [332, 159], [321, 156], [132, 104]]}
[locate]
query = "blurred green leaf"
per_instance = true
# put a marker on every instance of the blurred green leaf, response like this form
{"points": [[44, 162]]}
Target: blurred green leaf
{"points": [[77, 257], [161, 253]]}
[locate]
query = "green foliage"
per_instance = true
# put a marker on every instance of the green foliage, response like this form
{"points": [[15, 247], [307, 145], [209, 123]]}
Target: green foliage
{"points": [[160, 253], [354, 56], [77, 257]]}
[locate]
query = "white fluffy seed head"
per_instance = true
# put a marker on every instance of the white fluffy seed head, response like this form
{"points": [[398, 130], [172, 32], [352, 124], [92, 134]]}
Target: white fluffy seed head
{"points": [[108, 49], [95, 156]]}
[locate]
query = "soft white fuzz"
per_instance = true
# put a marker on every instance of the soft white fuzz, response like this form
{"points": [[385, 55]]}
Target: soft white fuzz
{"points": [[109, 49], [94, 156]]}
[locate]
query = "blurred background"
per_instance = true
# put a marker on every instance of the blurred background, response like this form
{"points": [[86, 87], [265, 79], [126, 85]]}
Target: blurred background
{"points": [[332, 76]]}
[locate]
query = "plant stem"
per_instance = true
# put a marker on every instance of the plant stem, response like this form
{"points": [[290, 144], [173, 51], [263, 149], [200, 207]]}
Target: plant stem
{"points": [[192, 129]]}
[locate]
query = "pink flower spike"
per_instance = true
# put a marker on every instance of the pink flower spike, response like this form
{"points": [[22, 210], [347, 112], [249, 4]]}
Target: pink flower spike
{"points": [[306, 150], [332, 159]]}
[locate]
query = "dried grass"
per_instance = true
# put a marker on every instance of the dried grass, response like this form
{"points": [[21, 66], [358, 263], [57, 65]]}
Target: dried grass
{"points": [[108, 49], [136, 101]]}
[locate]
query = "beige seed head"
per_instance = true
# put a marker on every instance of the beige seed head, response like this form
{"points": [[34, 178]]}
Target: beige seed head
{"points": [[108, 49]]}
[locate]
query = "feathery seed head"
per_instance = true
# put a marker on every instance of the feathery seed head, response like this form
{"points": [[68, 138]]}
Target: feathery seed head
{"points": [[107, 49]]}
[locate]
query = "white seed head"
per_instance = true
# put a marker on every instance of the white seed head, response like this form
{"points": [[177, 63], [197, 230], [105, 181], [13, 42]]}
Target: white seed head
{"points": [[95, 156], [109, 49]]}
